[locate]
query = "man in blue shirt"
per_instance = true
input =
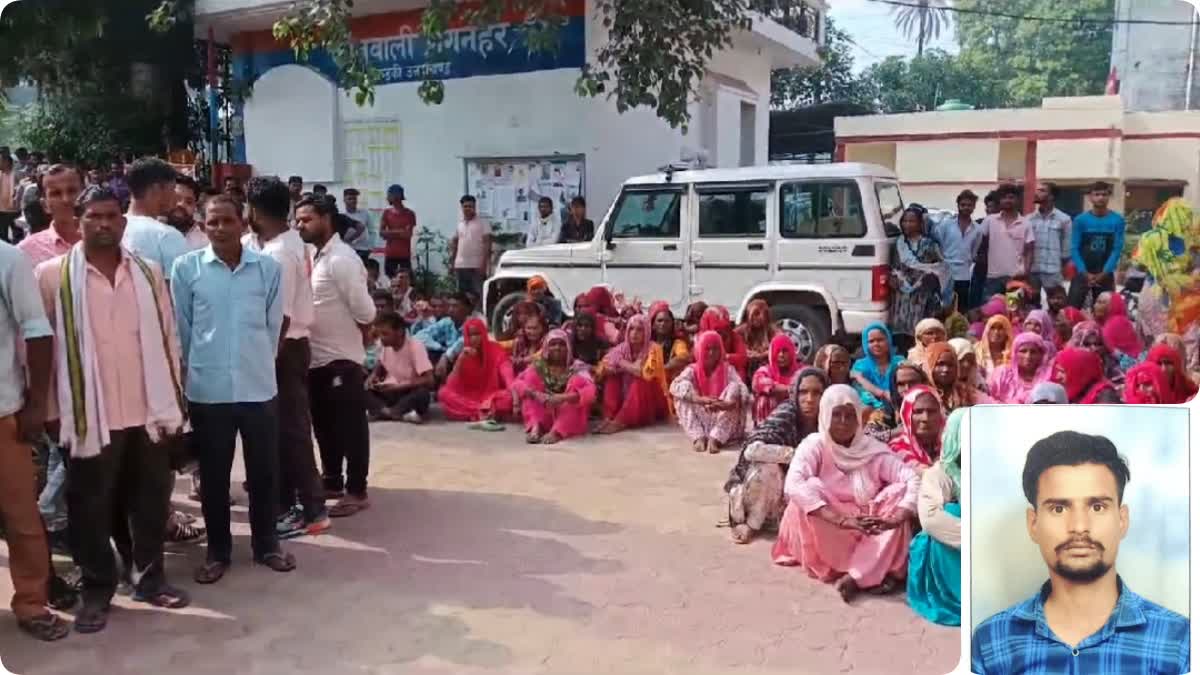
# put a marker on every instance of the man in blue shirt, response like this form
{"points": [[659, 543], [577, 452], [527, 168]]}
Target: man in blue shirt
{"points": [[152, 186], [1084, 619], [1097, 240], [959, 237], [229, 307]]}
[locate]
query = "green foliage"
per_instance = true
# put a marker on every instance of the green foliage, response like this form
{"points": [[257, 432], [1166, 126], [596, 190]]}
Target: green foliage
{"points": [[1036, 59], [325, 24], [925, 19], [833, 81], [89, 128], [924, 82]]}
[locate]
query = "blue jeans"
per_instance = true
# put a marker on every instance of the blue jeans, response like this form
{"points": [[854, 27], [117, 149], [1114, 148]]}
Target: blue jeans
{"points": [[52, 503]]}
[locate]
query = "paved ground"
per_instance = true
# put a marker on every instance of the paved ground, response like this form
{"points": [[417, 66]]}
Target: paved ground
{"points": [[483, 555]]}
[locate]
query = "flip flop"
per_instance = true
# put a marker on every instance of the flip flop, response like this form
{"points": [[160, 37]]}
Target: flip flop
{"points": [[346, 508], [277, 561], [165, 596], [91, 619], [210, 572], [490, 425], [46, 627]]}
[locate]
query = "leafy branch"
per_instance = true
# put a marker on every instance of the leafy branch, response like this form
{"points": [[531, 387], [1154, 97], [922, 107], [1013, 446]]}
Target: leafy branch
{"points": [[325, 24]]}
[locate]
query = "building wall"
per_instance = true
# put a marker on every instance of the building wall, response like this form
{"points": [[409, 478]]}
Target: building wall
{"points": [[1152, 60]]}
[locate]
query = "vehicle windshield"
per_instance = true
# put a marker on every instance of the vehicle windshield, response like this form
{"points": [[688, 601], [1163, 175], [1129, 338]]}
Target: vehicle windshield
{"points": [[891, 204], [647, 213]]}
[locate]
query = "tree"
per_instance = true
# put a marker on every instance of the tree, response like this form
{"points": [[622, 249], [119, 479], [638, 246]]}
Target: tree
{"points": [[897, 85], [833, 81], [1036, 59], [926, 18]]}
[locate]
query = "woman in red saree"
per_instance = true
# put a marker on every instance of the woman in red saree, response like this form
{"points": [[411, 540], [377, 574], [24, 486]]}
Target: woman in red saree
{"points": [[773, 381], [922, 421], [1081, 373], [716, 319], [478, 386], [1180, 388], [635, 381], [1145, 384]]}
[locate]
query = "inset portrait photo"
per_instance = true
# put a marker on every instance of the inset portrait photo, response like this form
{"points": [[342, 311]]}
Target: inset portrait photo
{"points": [[1079, 540]]}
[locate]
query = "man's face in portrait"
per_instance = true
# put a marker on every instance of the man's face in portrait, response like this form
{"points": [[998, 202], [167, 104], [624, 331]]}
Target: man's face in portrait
{"points": [[1078, 522]]}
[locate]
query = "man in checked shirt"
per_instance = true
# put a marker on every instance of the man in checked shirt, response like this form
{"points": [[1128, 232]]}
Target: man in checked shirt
{"points": [[1085, 619]]}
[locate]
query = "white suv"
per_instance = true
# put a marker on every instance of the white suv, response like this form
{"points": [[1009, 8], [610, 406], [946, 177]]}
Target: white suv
{"points": [[812, 240]]}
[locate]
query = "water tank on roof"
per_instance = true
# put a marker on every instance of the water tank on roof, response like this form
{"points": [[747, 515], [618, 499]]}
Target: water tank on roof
{"points": [[955, 104]]}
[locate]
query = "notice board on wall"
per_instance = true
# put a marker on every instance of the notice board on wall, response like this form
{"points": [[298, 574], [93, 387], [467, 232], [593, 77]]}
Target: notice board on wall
{"points": [[371, 156], [507, 189]]}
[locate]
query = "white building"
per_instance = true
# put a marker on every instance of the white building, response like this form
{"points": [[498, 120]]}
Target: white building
{"points": [[504, 112], [1157, 62]]}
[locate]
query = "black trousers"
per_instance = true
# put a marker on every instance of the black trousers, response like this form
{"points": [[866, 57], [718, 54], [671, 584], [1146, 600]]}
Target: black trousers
{"points": [[8, 226], [339, 418], [400, 402], [1077, 296], [962, 291], [298, 477], [131, 480], [216, 427]]}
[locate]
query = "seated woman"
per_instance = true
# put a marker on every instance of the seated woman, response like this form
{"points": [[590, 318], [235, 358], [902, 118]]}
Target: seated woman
{"points": [[883, 424], [755, 485], [555, 393], [934, 558], [1145, 384], [635, 382], [773, 381], [478, 387], [834, 359], [675, 348], [586, 344], [1180, 387], [1081, 373], [538, 291], [873, 372], [599, 300], [995, 348], [711, 401], [1088, 335], [928, 331], [1028, 366], [524, 347], [919, 442], [942, 367], [1122, 340], [716, 319], [1039, 321], [757, 332], [968, 366], [850, 504], [691, 320]]}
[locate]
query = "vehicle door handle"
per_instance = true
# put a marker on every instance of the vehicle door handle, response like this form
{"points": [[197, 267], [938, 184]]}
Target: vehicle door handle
{"points": [[670, 247], [754, 247]]}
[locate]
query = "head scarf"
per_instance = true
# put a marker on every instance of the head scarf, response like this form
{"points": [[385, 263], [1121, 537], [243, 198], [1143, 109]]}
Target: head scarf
{"points": [[995, 307], [866, 365], [957, 326], [961, 347], [592, 350], [825, 355], [784, 426], [779, 344], [1145, 373], [1167, 251], [1120, 336], [755, 337], [535, 282], [1008, 386], [694, 312], [656, 309], [893, 386], [1180, 388], [906, 444], [851, 459], [625, 351], [716, 319], [478, 375], [557, 383], [1049, 332], [1082, 372], [1075, 316], [710, 384], [522, 345], [983, 350], [601, 301], [1048, 392], [917, 353], [952, 449]]}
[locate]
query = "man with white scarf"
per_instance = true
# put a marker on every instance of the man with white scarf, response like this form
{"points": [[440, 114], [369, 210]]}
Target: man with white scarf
{"points": [[546, 226], [118, 398]]}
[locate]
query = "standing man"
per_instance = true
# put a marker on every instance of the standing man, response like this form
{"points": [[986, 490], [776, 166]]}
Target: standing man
{"points": [[119, 396], [1010, 242], [991, 205], [471, 248], [1097, 241], [184, 215], [230, 311], [152, 188], [295, 194], [23, 396], [545, 228], [343, 312], [61, 186], [119, 185], [397, 227], [9, 208], [363, 237], [298, 478], [960, 237], [1052, 241], [577, 227]]}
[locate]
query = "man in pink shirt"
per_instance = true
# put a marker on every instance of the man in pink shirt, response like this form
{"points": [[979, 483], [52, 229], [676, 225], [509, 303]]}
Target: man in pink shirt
{"points": [[1010, 242], [60, 187], [401, 386], [129, 473]]}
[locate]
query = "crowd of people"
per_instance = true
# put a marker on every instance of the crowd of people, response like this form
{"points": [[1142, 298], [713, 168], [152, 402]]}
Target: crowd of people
{"points": [[145, 328]]}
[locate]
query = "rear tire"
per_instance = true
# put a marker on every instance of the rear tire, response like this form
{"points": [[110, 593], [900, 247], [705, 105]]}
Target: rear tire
{"points": [[502, 314], [808, 326]]}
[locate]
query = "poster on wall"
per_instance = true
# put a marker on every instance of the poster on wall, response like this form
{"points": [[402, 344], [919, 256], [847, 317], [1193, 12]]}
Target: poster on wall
{"points": [[507, 189], [372, 163]]}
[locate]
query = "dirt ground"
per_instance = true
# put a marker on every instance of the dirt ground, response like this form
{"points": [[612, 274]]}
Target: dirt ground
{"points": [[481, 554]]}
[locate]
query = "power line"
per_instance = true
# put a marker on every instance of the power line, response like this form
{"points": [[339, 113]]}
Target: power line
{"points": [[1044, 19]]}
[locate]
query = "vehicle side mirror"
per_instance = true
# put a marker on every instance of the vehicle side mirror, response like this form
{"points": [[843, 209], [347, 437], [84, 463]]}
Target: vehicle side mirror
{"points": [[609, 244], [891, 230]]}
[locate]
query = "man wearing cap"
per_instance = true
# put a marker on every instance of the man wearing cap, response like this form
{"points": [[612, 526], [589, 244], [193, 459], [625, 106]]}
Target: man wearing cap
{"points": [[396, 227]]}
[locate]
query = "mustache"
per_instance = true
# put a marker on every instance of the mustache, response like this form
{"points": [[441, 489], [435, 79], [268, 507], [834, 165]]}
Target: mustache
{"points": [[1079, 541]]}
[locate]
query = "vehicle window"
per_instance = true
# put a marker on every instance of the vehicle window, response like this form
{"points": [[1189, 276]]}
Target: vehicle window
{"points": [[824, 210], [891, 206], [733, 213], [647, 214]]}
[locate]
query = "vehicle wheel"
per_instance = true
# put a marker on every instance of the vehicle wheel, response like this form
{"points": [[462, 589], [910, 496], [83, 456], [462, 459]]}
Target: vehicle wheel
{"points": [[502, 314], [808, 327]]}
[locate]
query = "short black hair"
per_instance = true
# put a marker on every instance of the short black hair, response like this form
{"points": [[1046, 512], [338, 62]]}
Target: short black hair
{"points": [[1007, 189], [320, 188], [1071, 448], [578, 200], [991, 197], [223, 198], [467, 199], [189, 183], [967, 195], [295, 179], [1056, 290], [545, 200], [350, 192], [371, 264], [323, 205], [95, 195], [269, 195], [147, 172], [383, 294], [1101, 186], [463, 299], [392, 320], [1052, 188], [54, 170]]}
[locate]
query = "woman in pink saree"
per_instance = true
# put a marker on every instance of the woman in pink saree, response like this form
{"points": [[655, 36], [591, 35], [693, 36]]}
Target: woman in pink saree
{"points": [[773, 381], [555, 393], [850, 504], [1028, 367]]}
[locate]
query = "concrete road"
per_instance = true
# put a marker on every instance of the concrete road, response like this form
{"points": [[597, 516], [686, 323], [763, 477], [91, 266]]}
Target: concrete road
{"points": [[481, 554]]}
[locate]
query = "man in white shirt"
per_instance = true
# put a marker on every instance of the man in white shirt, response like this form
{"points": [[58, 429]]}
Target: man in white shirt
{"points": [[183, 216], [471, 248], [152, 192], [342, 313], [301, 498], [362, 239], [546, 226]]}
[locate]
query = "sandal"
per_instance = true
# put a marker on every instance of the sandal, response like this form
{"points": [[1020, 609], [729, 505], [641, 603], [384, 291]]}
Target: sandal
{"points": [[533, 438], [888, 586], [62, 595], [348, 506], [210, 572], [551, 438], [278, 561], [46, 627], [180, 532], [165, 596], [489, 425], [91, 619]]}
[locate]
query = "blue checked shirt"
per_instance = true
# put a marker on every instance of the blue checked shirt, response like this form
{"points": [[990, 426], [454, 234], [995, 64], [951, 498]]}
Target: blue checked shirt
{"points": [[1139, 637]]}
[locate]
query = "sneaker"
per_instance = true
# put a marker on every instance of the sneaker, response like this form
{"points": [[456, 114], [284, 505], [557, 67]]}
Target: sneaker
{"points": [[319, 525], [413, 417], [290, 524]]}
